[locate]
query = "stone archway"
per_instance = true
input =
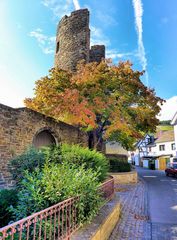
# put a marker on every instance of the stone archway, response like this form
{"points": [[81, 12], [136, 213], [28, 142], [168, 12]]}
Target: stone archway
{"points": [[44, 138]]}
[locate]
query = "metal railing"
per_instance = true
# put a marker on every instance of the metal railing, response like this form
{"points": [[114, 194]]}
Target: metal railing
{"points": [[107, 189], [56, 222]]}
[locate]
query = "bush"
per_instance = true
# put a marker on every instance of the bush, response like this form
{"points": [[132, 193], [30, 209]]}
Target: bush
{"points": [[119, 166], [78, 155], [7, 198], [53, 154], [73, 154], [29, 160], [50, 175], [56, 183], [119, 157]]}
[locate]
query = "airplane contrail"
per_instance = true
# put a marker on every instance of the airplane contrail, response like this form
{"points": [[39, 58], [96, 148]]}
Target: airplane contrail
{"points": [[138, 10], [76, 4]]}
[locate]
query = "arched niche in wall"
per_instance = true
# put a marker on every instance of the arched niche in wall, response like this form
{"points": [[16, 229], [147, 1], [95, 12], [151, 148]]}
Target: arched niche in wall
{"points": [[44, 138]]}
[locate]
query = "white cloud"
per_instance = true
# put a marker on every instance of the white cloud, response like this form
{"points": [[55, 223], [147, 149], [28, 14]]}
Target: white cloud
{"points": [[46, 43], [97, 37], [61, 7], [168, 109], [114, 54], [58, 7], [76, 4], [138, 10]]}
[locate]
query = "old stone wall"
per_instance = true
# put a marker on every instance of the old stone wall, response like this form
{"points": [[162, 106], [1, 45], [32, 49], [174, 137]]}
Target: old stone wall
{"points": [[18, 128], [97, 53], [125, 177], [72, 40]]}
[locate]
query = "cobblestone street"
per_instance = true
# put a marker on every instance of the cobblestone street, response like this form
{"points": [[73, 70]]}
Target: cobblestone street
{"points": [[135, 223]]}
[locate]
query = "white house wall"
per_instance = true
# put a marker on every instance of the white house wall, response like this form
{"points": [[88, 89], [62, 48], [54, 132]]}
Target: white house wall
{"points": [[145, 163], [168, 150], [137, 160], [156, 164], [175, 132], [142, 146]]}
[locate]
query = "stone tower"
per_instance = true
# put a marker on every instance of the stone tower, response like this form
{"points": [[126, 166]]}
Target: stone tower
{"points": [[97, 53], [73, 41]]}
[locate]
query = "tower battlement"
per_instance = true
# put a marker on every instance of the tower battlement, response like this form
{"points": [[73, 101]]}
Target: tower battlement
{"points": [[97, 53], [73, 41]]}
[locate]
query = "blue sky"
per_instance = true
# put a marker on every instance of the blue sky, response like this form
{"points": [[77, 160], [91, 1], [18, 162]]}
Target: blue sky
{"points": [[27, 40]]}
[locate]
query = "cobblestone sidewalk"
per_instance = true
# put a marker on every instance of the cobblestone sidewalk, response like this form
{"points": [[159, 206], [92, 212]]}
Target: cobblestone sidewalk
{"points": [[133, 224]]}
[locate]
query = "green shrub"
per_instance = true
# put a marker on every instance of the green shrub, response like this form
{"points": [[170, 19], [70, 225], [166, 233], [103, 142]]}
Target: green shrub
{"points": [[78, 155], [119, 166], [73, 154], [53, 154], [119, 157], [29, 160], [7, 198], [50, 175], [56, 183]]}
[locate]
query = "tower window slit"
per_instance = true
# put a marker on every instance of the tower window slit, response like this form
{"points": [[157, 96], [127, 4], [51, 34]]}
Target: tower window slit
{"points": [[57, 48]]}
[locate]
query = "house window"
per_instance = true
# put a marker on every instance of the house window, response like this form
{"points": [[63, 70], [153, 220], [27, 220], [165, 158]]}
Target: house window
{"points": [[57, 48], [150, 149], [173, 146], [162, 147]]}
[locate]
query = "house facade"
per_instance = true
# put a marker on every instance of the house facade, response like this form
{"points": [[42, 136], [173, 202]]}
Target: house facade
{"points": [[164, 144], [174, 123], [155, 152], [141, 149]]}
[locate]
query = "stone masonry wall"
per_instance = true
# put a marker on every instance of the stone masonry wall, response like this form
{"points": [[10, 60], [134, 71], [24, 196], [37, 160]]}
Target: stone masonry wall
{"points": [[72, 40], [18, 128], [125, 177], [97, 53]]}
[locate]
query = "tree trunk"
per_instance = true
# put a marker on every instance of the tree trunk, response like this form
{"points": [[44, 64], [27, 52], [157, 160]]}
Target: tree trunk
{"points": [[96, 142]]}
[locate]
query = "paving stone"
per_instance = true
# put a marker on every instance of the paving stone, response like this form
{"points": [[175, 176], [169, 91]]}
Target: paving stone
{"points": [[133, 224]]}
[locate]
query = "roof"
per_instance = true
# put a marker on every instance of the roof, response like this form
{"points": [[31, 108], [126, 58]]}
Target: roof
{"points": [[165, 136], [174, 119]]}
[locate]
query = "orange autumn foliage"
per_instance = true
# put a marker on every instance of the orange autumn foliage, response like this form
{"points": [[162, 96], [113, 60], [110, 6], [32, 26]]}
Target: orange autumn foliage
{"points": [[99, 96]]}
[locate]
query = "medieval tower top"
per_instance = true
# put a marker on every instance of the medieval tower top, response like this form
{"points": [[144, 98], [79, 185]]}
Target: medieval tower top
{"points": [[73, 41], [97, 53]]}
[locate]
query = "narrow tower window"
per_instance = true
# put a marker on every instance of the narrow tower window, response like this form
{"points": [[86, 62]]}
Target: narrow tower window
{"points": [[57, 48]]}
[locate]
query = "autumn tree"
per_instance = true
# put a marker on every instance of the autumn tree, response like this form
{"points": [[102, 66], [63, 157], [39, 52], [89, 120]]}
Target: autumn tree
{"points": [[108, 100]]}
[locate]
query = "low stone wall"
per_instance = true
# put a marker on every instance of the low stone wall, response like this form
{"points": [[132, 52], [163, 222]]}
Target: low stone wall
{"points": [[102, 225], [125, 177]]}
